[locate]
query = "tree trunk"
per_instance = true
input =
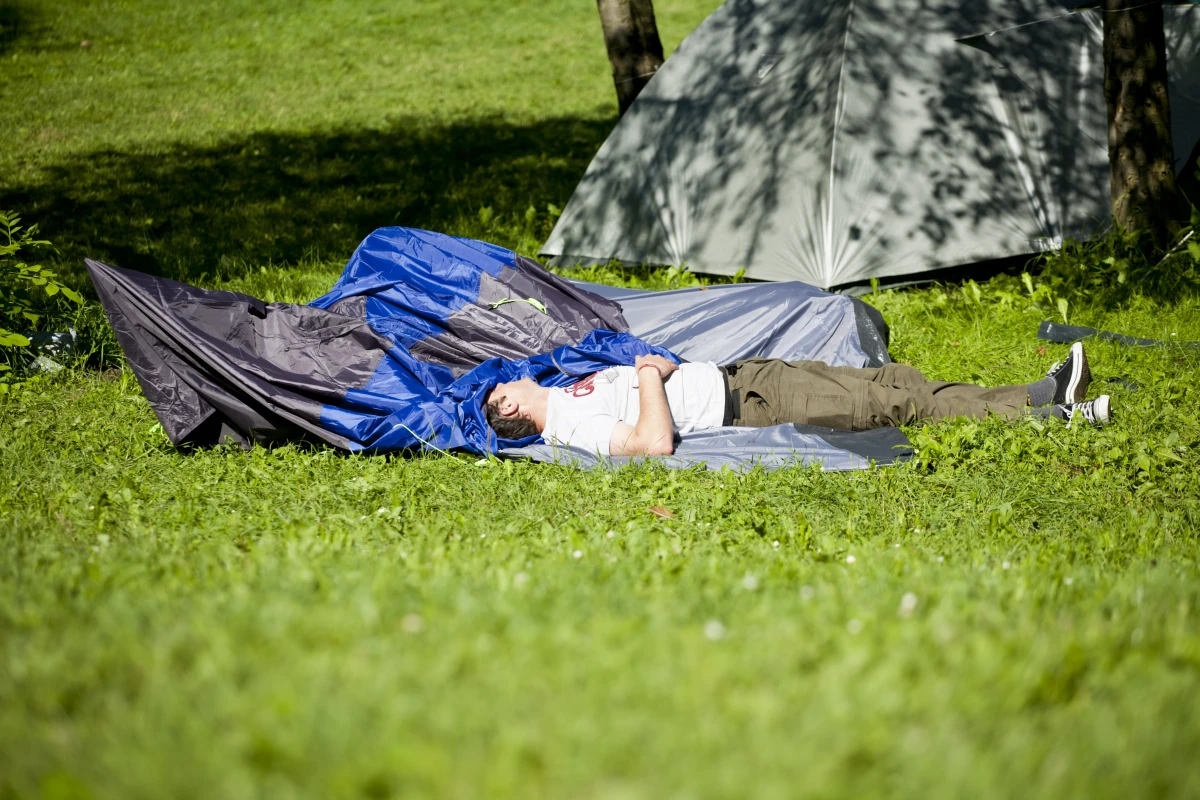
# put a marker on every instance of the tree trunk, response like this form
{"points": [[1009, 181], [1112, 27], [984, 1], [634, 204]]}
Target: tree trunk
{"points": [[1140, 156], [634, 49]]}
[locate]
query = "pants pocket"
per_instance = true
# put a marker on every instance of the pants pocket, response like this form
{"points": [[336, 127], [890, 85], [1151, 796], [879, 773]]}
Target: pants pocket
{"points": [[828, 411], [755, 412]]}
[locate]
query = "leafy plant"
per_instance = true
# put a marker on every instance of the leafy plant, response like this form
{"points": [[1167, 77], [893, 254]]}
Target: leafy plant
{"points": [[30, 295], [1111, 269]]}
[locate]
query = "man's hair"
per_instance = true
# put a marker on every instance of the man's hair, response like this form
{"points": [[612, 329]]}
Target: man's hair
{"points": [[515, 427]]}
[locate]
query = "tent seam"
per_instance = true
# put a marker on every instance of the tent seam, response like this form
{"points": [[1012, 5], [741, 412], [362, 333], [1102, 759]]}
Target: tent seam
{"points": [[837, 114]]}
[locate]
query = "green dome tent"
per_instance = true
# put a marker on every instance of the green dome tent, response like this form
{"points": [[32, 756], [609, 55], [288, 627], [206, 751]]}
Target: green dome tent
{"points": [[835, 141]]}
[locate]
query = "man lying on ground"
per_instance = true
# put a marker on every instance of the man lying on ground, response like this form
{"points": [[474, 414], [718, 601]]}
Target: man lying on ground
{"points": [[628, 411]]}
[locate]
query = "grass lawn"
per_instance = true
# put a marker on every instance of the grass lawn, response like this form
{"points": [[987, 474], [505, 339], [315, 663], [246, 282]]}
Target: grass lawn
{"points": [[1017, 615]]}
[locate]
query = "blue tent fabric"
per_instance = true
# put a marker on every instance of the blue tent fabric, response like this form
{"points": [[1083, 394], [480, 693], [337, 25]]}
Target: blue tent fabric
{"points": [[383, 417], [400, 354], [454, 303]]}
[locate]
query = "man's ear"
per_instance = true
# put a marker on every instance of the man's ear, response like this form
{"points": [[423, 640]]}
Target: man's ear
{"points": [[508, 407]]}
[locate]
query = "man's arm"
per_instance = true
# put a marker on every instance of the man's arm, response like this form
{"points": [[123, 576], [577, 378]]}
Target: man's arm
{"points": [[654, 434]]}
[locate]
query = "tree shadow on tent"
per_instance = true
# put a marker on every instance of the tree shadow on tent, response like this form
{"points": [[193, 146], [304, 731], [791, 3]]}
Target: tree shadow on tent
{"points": [[833, 142], [192, 213]]}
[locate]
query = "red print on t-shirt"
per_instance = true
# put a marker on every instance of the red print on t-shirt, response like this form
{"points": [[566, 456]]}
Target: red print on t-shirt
{"points": [[582, 388]]}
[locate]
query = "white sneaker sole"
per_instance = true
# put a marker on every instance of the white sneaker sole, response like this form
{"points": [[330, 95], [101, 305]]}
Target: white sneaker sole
{"points": [[1077, 385]]}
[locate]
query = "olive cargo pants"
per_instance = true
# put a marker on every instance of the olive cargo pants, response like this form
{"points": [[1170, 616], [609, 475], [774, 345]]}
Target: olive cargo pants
{"points": [[769, 391]]}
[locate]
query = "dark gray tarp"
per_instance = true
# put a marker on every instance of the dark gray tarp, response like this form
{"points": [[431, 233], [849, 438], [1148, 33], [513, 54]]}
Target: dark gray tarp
{"points": [[224, 366]]}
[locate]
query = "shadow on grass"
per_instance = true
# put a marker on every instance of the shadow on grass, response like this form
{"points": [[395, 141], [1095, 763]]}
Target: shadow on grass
{"points": [[191, 212], [25, 22], [12, 25]]}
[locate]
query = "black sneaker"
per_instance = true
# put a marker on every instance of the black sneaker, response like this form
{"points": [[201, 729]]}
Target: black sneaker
{"points": [[1071, 377], [1094, 412]]}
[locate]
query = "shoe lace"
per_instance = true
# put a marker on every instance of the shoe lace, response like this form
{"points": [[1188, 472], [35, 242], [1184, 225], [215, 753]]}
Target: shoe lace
{"points": [[1050, 372], [1088, 409]]}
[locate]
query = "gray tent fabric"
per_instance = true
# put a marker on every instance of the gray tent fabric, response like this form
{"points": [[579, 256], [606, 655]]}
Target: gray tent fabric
{"points": [[835, 141], [728, 323], [742, 449]]}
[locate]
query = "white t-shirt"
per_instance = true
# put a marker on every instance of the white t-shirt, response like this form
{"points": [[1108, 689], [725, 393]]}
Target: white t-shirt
{"points": [[585, 413]]}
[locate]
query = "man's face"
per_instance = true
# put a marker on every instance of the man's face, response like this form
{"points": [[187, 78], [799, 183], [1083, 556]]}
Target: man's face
{"points": [[511, 398]]}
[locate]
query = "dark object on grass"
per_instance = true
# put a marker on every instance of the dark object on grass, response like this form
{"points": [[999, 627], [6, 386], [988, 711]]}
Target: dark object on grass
{"points": [[54, 345], [1130, 385], [1066, 334], [402, 351]]}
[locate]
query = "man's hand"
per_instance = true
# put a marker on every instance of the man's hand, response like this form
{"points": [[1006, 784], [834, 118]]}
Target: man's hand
{"points": [[664, 365]]}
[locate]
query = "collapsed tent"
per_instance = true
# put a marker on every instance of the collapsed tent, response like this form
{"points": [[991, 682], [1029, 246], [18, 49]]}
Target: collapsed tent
{"points": [[835, 141], [400, 354]]}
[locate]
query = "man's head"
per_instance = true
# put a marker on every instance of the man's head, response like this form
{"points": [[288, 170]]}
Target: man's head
{"points": [[517, 409]]}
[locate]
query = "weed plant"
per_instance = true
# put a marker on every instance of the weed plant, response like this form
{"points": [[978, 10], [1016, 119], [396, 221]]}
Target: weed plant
{"points": [[1012, 614], [31, 296], [1114, 269]]}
